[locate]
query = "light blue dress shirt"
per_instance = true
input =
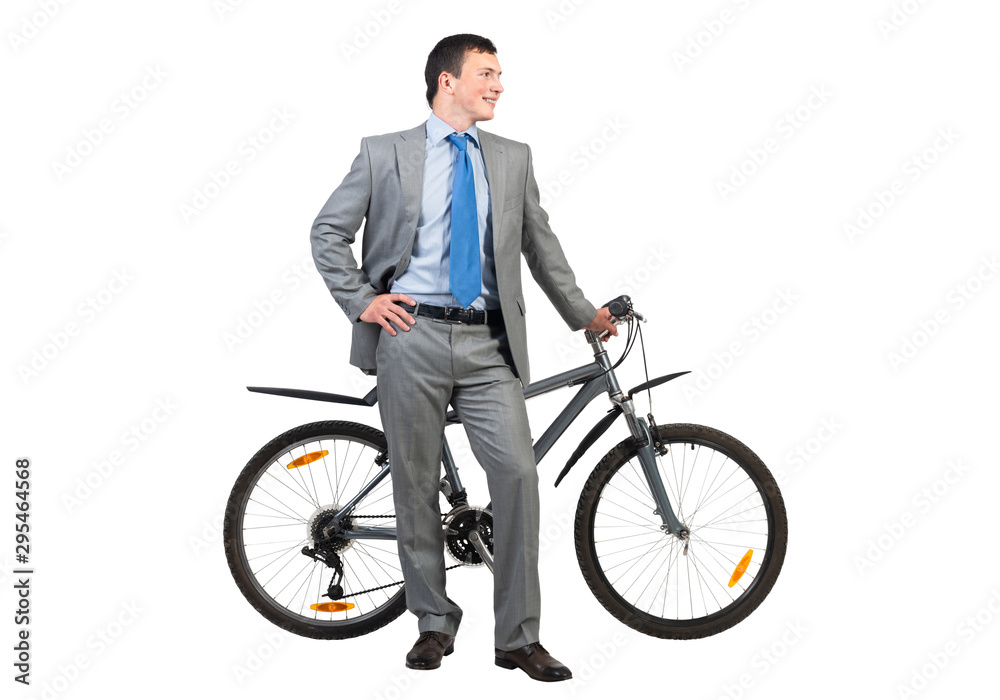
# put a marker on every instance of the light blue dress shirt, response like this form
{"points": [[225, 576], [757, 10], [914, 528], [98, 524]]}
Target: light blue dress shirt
{"points": [[426, 277]]}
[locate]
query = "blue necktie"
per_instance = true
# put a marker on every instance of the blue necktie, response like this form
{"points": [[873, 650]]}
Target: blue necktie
{"points": [[465, 278]]}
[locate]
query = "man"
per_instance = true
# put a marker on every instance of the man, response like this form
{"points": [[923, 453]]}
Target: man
{"points": [[448, 210]]}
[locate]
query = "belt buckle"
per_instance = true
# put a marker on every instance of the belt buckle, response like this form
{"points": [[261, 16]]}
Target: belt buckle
{"points": [[448, 311]]}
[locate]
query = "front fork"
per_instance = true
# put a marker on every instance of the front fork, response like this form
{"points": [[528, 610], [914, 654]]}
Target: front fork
{"points": [[647, 458], [641, 434]]}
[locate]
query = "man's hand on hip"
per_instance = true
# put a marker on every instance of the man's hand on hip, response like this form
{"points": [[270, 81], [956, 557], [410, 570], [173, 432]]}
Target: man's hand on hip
{"points": [[384, 311], [603, 322]]}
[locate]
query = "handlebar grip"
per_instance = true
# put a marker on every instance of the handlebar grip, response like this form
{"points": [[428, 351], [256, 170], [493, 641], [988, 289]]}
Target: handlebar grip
{"points": [[620, 306]]}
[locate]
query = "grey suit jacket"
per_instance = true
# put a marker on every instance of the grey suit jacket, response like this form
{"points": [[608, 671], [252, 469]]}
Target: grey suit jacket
{"points": [[383, 188]]}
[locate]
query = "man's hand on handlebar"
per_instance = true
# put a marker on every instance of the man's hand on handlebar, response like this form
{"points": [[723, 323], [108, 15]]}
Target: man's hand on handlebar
{"points": [[384, 310], [603, 323]]}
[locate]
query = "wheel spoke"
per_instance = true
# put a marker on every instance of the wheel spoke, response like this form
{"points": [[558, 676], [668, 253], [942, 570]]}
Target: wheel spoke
{"points": [[291, 517], [296, 476], [304, 501], [665, 585], [295, 490]]}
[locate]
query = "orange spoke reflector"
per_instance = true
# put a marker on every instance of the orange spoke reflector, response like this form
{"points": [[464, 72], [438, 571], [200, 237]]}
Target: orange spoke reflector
{"points": [[741, 568], [306, 459], [331, 607]]}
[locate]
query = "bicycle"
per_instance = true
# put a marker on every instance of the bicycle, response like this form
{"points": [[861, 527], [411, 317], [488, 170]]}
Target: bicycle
{"points": [[680, 529]]}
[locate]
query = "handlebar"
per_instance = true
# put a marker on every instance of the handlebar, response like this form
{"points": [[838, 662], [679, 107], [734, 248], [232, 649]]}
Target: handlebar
{"points": [[620, 306], [620, 309]]}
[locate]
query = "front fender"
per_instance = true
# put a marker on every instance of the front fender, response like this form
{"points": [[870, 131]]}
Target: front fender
{"points": [[591, 437], [602, 425], [656, 382]]}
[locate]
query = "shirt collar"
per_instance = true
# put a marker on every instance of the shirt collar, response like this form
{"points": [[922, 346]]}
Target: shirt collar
{"points": [[438, 130]]}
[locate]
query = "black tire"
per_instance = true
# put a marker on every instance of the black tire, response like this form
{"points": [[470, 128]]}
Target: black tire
{"points": [[724, 491], [268, 492]]}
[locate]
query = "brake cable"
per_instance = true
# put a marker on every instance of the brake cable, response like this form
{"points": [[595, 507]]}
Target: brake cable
{"points": [[649, 389], [629, 342]]}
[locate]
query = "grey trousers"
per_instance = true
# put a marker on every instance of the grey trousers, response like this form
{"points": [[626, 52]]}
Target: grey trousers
{"points": [[420, 372]]}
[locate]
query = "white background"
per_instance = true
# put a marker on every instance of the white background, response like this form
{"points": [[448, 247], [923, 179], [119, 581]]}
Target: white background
{"points": [[879, 577]]}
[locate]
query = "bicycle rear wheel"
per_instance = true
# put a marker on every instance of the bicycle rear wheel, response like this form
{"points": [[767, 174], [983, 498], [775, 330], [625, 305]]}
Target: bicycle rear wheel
{"points": [[670, 587], [282, 500]]}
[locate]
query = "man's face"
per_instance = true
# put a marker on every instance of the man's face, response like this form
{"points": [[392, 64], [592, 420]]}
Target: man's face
{"points": [[476, 92]]}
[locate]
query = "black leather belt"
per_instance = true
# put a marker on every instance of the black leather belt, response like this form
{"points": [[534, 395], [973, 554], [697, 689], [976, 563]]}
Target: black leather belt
{"points": [[455, 314]]}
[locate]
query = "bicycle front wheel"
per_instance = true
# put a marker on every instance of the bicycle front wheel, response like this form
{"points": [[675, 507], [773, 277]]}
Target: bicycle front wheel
{"points": [[674, 587], [281, 503]]}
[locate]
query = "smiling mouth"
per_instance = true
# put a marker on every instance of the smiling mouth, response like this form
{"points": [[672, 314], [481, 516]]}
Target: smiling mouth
{"points": [[488, 100]]}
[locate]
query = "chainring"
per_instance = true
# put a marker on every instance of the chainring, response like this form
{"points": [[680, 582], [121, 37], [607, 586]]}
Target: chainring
{"points": [[457, 526]]}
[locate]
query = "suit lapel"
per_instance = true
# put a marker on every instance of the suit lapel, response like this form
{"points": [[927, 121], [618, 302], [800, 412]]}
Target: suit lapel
{"points": [[410, 165], [496, 175], [410, 146]]}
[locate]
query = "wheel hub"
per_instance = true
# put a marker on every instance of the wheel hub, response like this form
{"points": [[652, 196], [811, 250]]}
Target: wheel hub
{"points": [[321, 523]]}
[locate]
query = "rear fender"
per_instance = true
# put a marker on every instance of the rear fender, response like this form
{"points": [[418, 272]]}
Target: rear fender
{"points": [[368, 400]]}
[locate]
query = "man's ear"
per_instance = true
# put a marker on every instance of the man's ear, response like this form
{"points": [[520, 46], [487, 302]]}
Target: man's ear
{"points": [[444, 83]]}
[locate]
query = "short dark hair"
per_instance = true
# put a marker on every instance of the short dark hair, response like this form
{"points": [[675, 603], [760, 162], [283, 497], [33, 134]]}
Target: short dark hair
{"points": [[449, 55]]}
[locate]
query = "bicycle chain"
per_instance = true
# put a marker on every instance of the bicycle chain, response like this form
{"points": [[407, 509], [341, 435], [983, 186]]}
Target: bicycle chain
{"points": [[395, 583]]}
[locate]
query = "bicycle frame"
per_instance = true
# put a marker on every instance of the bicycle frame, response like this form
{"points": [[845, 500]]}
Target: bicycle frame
{"points": [[596, 377], [732, 531]]}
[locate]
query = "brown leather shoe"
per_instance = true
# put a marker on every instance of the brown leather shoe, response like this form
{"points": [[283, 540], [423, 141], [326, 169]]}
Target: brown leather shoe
{"points": [[534, 660], [428, 650]]}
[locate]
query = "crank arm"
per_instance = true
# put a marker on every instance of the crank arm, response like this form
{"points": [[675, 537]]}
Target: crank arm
{"points": [[480, 547]]}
